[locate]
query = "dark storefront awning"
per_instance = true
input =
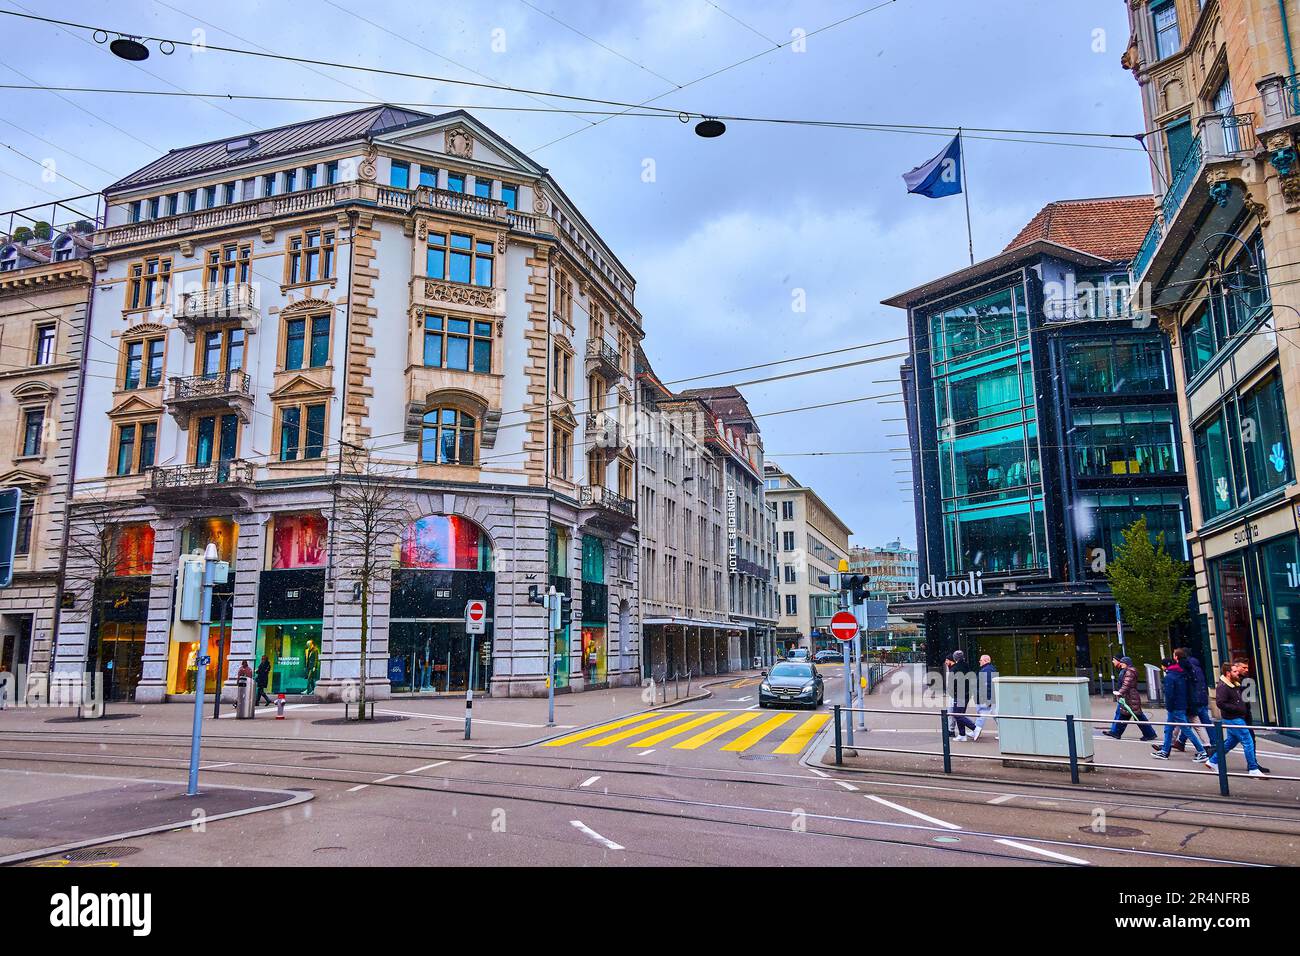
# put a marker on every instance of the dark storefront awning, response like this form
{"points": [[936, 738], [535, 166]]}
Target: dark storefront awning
{"points": [[916, 610]]}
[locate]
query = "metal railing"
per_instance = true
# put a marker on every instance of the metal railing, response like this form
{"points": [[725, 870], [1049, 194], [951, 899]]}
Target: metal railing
{"points": [[1072, 724], [235, 471], [677, 684], [1146, 252], [220, 302], [446, 200], [1279, 98], [1181, 181], [220, 385], [601, 351], [598, 496]]}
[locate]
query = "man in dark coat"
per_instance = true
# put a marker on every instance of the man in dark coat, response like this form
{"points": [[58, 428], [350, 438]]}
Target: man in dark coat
{"points": [[1176, 712], [1235, 713], [1128, 702], [263, 679], [1198, 699], [959, 680]]}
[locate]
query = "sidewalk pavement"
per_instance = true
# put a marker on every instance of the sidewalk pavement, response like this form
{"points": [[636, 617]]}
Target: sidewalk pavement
{"points": [[46, 813], [1130, 764], [497, 722]]}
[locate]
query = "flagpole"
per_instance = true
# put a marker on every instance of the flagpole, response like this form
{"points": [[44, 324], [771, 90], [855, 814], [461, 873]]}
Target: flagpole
{"points": [[965, 192]]}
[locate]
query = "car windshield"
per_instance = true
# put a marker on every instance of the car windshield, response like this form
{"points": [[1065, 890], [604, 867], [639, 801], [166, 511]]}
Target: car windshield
{"points": [[792, 670]]}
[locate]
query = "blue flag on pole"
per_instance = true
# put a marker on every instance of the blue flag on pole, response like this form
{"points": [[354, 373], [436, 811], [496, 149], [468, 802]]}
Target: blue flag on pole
{"points": [[939, 177]]}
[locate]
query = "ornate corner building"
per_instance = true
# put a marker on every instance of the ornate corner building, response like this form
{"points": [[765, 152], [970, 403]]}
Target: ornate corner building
{"points": [[1218, 268], [380, 305]]}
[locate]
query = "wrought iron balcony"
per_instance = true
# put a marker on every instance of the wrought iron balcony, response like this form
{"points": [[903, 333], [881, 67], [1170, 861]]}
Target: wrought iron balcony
{"points": [[606, 508], [220, 484], [224, 391], [222, 303], [604, 358], [604, 430]]}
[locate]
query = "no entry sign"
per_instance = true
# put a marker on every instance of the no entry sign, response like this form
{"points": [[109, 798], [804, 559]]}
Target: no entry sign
{"points": [[475, 616], [844, 626]]}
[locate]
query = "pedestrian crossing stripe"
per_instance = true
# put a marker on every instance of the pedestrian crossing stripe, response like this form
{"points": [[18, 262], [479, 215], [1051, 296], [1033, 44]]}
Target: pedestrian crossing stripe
{"points": [[796, 742], [717, 730], [596, 731], [632, 732], [694, 729], [751, 737], [674, 731]]}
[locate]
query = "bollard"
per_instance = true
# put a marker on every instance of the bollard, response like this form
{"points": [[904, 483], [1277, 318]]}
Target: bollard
{"points": [[1222, 754], [1074, 748], [279, 707], [947, 744], [839, 743]]}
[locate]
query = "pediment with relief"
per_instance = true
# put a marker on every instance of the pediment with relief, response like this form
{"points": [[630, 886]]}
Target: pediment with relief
{"points": [[134, 405], [302, 386], [34, 392], [31, 481]]}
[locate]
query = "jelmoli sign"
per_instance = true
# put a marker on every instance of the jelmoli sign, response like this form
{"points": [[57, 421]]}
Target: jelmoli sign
{"points": [[968, 586]]}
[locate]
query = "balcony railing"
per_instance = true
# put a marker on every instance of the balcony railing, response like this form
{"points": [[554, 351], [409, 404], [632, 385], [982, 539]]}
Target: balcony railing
{"points": [[1181, 181], [604, 430], [1146, 251], [1279, 98], [445, 200], [221, 386], [219, 302], [598, 496], [235, 471], [605, 355]]}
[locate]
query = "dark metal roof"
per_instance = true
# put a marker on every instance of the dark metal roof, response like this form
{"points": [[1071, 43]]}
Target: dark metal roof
{"points": [[296, 137]]}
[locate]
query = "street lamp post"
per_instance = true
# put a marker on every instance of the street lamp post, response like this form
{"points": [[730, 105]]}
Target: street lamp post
{"points": [[201, 664]]}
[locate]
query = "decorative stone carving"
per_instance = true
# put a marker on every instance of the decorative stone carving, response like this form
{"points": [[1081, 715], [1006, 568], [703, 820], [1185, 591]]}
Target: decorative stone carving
{"points": [[422, 230], [1291, 192], [1283, 160], [460, 295], [458, 141], [1258, 209], [187, 248], [1220, 184], [501, 243], [369, 166], [540, 205]]}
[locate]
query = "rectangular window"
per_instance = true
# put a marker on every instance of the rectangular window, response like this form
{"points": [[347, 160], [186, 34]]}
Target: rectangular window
{"points": [[154, 363], [315, 443], [399, 175], [1213, 468], [787, 511], [1103, 518], [332, 172], [459, 259], [791, 604], [1124, 441], [46, 336], [1164, 17], [148, 444], [1120, 364], [209, 196], [229, 264], [787, 540], [125, 449], [229, 193], [290, 180], [311, 256], [295, 339], [310, 177], [456, 182], [462, 259], [23, 540], [1266, 447], [428, 177], [147, 286], [510, 195], [268, 185], [290, 432], [134, 363], [320, 341], [483, 188], [142, 363], [33, 426]]}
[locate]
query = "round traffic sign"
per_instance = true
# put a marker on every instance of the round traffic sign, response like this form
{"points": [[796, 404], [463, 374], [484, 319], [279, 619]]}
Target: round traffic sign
{"points": [[476, 610], [844, 626]]}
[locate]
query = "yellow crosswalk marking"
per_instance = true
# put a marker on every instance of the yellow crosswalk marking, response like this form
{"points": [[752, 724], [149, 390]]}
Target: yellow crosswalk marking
{"points": [[799, 739], [674, 731], [624, 734], [751, 737], [717, 730], [597, 731]]}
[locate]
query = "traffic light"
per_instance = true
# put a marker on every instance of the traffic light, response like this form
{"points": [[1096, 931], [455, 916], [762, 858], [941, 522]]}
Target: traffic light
{"points": [[856, 585], [566, 610], [831, 581], [536, 595]]}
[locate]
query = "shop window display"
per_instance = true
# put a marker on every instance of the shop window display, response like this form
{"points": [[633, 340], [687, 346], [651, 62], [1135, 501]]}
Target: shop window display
{"points": [[298, 541], [293, 648], [182, 668], [446, 542], [133, 550]]}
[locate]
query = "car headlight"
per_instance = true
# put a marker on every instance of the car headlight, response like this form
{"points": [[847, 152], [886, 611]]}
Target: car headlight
{"points": [[807, 687], [765, 687]]}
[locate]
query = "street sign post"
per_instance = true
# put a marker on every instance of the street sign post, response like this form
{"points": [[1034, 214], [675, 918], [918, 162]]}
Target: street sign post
{"points": [[475, 623], [844, 626]]}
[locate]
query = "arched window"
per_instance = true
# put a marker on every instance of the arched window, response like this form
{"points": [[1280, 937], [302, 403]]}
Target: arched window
{"points": [[445, 542], [449, 437]]}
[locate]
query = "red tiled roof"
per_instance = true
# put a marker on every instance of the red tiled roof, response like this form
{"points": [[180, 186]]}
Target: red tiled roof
{"points": [[1110, 228]]}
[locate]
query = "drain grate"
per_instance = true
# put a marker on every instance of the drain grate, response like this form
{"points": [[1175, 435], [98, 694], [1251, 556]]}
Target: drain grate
{"points": [[92, 854], [757, 757]]}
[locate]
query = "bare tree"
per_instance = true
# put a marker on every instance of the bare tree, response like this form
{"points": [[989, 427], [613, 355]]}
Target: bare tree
{"points": [[369, 511]]}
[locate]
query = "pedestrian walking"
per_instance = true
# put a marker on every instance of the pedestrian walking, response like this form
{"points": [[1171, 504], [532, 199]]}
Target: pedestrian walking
{"points": [[263, 679], [1234, 711], [958, 676], [1175, 686], [984, 694], [1198, 699], [1128, 703]]}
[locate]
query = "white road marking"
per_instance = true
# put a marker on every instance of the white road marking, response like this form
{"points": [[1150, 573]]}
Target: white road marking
{"points": [[214, 766], [588, 782], [428, 766], [459, 718], [1037, 849], [740, 700], [360, 786], [271, 709], [645, 753], [818, 772], [467, 756], [1002, 799], [609, 844], [846, 786], [391, 776], [913, 813]]}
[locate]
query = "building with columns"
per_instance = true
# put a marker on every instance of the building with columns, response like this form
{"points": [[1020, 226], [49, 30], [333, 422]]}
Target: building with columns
{"points": [[380, 299], [1218, 268]]}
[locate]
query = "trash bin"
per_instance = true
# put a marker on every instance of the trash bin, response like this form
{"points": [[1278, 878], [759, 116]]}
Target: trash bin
{"points": [[245, 699]]}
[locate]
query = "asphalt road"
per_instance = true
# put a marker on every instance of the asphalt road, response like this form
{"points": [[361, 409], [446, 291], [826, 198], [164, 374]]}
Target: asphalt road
{"points": [[718, 782]]}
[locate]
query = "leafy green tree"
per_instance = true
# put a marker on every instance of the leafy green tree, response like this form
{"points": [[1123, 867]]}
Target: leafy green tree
{"points": [[1148, 583]]}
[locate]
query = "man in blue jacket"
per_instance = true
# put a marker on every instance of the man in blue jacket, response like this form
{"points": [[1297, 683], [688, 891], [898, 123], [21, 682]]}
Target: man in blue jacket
{"points": [[1198, 699], [1176, 708]]}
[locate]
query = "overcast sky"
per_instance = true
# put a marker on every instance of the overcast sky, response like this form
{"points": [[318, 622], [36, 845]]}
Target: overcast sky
{"points": [[727, 230]]}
